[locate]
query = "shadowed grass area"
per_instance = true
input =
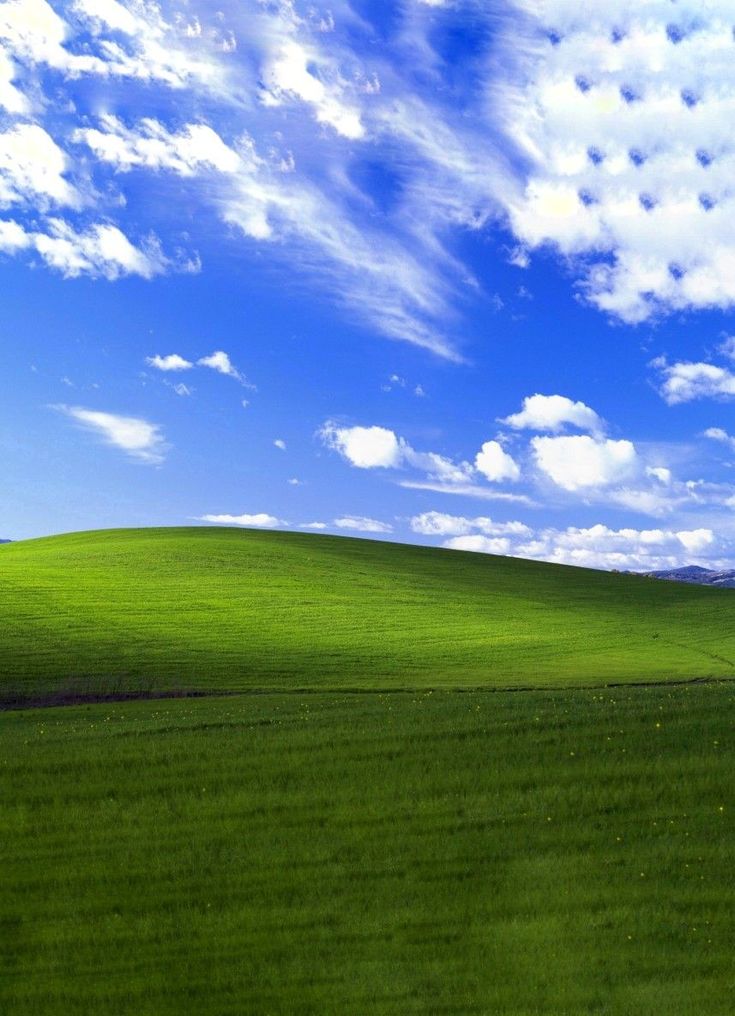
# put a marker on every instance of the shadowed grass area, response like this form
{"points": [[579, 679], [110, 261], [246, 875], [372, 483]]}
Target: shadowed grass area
{"points": [[230, 609], [564, 852]]}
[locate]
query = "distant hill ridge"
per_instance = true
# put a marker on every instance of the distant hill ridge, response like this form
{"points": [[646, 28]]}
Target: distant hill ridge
{"points": [[205, 609], [697, 575]]}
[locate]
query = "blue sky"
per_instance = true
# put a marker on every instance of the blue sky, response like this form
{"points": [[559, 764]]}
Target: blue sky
{"points": [[460, 273]]}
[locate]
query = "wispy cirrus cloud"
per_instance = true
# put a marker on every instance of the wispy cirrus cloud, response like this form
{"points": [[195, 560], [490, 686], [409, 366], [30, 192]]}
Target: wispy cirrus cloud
{"points": [[606, 138], [138, 438]]}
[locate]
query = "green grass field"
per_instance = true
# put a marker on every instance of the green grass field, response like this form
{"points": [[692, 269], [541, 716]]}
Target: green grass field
{"points": [[380, 828], [223, 609]]}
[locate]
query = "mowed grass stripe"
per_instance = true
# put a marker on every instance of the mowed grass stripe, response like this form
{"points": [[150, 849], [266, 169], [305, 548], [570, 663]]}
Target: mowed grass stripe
{"points": [[230, 609], [545, 852]]}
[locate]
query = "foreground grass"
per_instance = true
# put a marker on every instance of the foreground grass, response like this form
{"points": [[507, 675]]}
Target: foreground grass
{"points": [[232, 609], [563, 852]]}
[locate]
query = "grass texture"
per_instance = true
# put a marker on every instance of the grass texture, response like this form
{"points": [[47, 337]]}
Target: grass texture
{"points": [[372, 822], [548, 852], [219, 609]]}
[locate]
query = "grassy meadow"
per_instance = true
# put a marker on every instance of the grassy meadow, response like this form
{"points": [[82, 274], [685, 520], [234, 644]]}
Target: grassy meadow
{"points": [[566, 852], [222, 609], [434, 782]]}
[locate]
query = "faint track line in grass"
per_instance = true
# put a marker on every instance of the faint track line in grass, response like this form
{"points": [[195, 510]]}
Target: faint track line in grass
{"points": [[15, 703]]}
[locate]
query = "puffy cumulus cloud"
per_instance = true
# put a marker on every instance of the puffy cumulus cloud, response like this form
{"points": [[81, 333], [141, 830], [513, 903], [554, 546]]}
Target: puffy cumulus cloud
{"points": [[362, 524], [100, 251], [696, 541], [220, 362], [261, 520], [194, 148], [378, 447], [597, 546], [718, 434], [12, 99], [579, 462], [170, 362], [685, 381], [122, 41], [623, 113], [478, 544], [138, 438], [33, 168], [553, 413], [365, 447], [441, 524], [601, 547], [595, 469], [496, 464], [660, 473], [290, 73]]}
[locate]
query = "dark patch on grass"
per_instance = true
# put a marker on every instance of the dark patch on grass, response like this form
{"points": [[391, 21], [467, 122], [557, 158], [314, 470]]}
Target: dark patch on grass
{"points": [[75, 696]]}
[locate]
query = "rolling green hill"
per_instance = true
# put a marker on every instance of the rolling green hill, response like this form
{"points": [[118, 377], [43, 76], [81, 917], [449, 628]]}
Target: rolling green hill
{"points": [[433, 845], [224, 609]]}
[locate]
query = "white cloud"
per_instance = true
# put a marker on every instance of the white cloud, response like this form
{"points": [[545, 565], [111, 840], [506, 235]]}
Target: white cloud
{"points": [[259, 520], [601, 547], [279, 443], [13, 237], [170, 362], [684, 382], [718, 434], [372, 274], [468, 490], [378, 447], [364, 447], [696, 540], [637, 193], [123, 41], [479, 544], [102, 250], [495, 464], [313, 525], [437, 467], [660, 473], [553, 413], [441, 524], [645, 501], [361, 524], [194, 148], [289, 74], [12, 98], [628, 134], [579, 462], [597, 546], [136, 437], [180, 389], [33, 168], [221, 362]]}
